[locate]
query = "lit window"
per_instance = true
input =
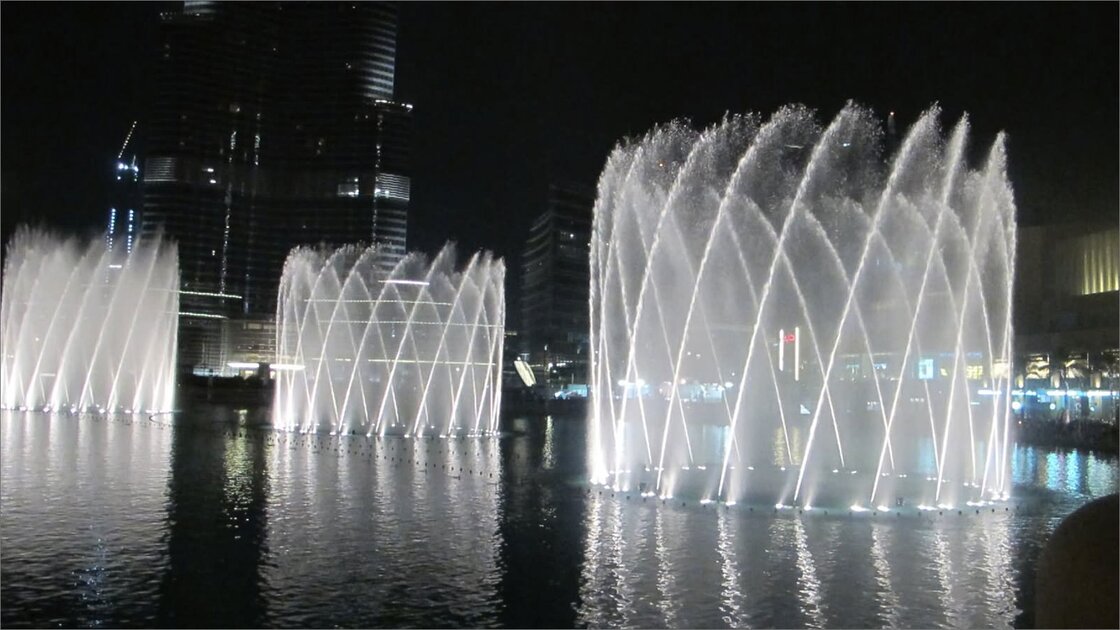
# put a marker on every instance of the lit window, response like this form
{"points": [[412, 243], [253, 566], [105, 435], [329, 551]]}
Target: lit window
{"points": [[349, 188]]}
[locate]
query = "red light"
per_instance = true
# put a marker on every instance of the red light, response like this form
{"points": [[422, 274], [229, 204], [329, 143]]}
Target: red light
{"points": [[790, 338]]}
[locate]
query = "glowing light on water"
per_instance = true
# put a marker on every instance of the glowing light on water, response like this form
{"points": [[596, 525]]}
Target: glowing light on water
{"points": [[419, 350], [708, 246], [86, 326]]}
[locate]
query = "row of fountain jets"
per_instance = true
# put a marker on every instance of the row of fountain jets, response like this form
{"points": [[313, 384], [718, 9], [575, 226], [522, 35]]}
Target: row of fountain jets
{"points": [[711, 252]]}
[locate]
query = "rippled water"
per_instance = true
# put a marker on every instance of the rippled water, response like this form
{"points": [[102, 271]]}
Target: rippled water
{"points": [[207, 520]]}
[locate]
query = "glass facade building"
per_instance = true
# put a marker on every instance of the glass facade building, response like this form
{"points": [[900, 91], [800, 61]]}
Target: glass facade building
{"points": [[554, 290], [273, 126]]}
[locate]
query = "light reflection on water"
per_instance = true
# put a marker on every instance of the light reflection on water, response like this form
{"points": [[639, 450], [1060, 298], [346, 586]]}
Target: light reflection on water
{"points": [[204, 521]]}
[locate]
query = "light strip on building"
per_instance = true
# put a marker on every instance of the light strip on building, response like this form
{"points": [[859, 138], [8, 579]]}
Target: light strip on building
{"points": [[203, 315], [781, 349], [797, 353], [209, 294], [419, 283]]}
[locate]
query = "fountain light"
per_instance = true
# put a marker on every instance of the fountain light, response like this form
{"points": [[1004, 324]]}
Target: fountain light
{"points": [[364, 349], [709, 244]]}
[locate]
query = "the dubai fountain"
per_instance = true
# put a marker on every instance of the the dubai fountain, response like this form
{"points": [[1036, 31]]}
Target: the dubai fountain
{"points": [[415, 352], [88, 327], [780, 315]]}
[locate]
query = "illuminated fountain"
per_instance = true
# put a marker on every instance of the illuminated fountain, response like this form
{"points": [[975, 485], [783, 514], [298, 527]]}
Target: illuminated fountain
{"points": [[779, 314], [417, 351], [88, 327]]}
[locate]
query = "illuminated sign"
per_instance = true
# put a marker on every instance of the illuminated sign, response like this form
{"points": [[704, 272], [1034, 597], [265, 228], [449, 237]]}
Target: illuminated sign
{"points": [[925, 369]]}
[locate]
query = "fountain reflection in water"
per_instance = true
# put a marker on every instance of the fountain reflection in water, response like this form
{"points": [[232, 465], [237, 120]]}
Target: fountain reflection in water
{"points": [[417, 351], [88, 327], [779, 278]]}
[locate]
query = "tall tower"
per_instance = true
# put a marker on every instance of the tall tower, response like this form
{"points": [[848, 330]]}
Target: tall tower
{"points": [[126, 199], [274, 126]]}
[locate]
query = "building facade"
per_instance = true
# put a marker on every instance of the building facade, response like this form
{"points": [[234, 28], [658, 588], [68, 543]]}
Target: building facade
{"points": [[1067, 330], [273, 126], [125, 199], [554, 291]]}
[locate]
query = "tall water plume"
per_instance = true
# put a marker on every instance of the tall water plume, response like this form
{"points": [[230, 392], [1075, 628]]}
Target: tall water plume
{"points": [[87, 327], [417, 352], [778, 313]]}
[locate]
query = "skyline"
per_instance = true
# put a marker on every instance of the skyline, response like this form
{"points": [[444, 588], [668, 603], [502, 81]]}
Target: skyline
{"points": [[510, 98]]}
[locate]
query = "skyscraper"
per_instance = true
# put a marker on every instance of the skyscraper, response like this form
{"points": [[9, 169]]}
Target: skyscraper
{"points": [[125, 198], [274, 125], [554, 288]]}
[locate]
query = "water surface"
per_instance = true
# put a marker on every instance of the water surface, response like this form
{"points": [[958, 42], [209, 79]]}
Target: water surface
{"points": [[205, 519]]}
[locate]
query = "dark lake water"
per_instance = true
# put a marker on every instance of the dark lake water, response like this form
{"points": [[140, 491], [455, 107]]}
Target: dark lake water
{"points": [[209, 519]]}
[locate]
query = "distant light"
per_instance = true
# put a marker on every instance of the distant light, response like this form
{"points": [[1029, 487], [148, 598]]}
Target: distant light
{"points": [[419, 283], [523, 370], [1016, 405], [242, 365], [202, 315]]}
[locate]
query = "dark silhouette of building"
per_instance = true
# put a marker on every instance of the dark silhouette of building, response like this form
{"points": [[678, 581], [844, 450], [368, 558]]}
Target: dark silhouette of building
{"points": [[273, 126], [554, 294]]}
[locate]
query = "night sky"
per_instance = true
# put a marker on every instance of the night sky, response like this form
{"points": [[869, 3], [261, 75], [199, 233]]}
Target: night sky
{"points": [[509, 97]]}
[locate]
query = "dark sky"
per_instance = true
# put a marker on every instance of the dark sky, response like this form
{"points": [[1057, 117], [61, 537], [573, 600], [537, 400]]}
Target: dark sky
{"points": [[511, 96]]}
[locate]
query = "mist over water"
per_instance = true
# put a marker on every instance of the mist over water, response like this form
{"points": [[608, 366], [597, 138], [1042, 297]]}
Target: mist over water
{"points": [[415, 352], [87, 326], [780, 312]]}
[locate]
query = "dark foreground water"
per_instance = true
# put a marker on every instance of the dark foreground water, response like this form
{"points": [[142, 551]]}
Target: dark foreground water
{"points": [[207, 520]]}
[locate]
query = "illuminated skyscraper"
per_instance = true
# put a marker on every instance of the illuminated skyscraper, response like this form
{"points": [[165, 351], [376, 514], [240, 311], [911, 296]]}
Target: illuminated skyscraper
{"points": [[125, 199], [274, 125]]}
